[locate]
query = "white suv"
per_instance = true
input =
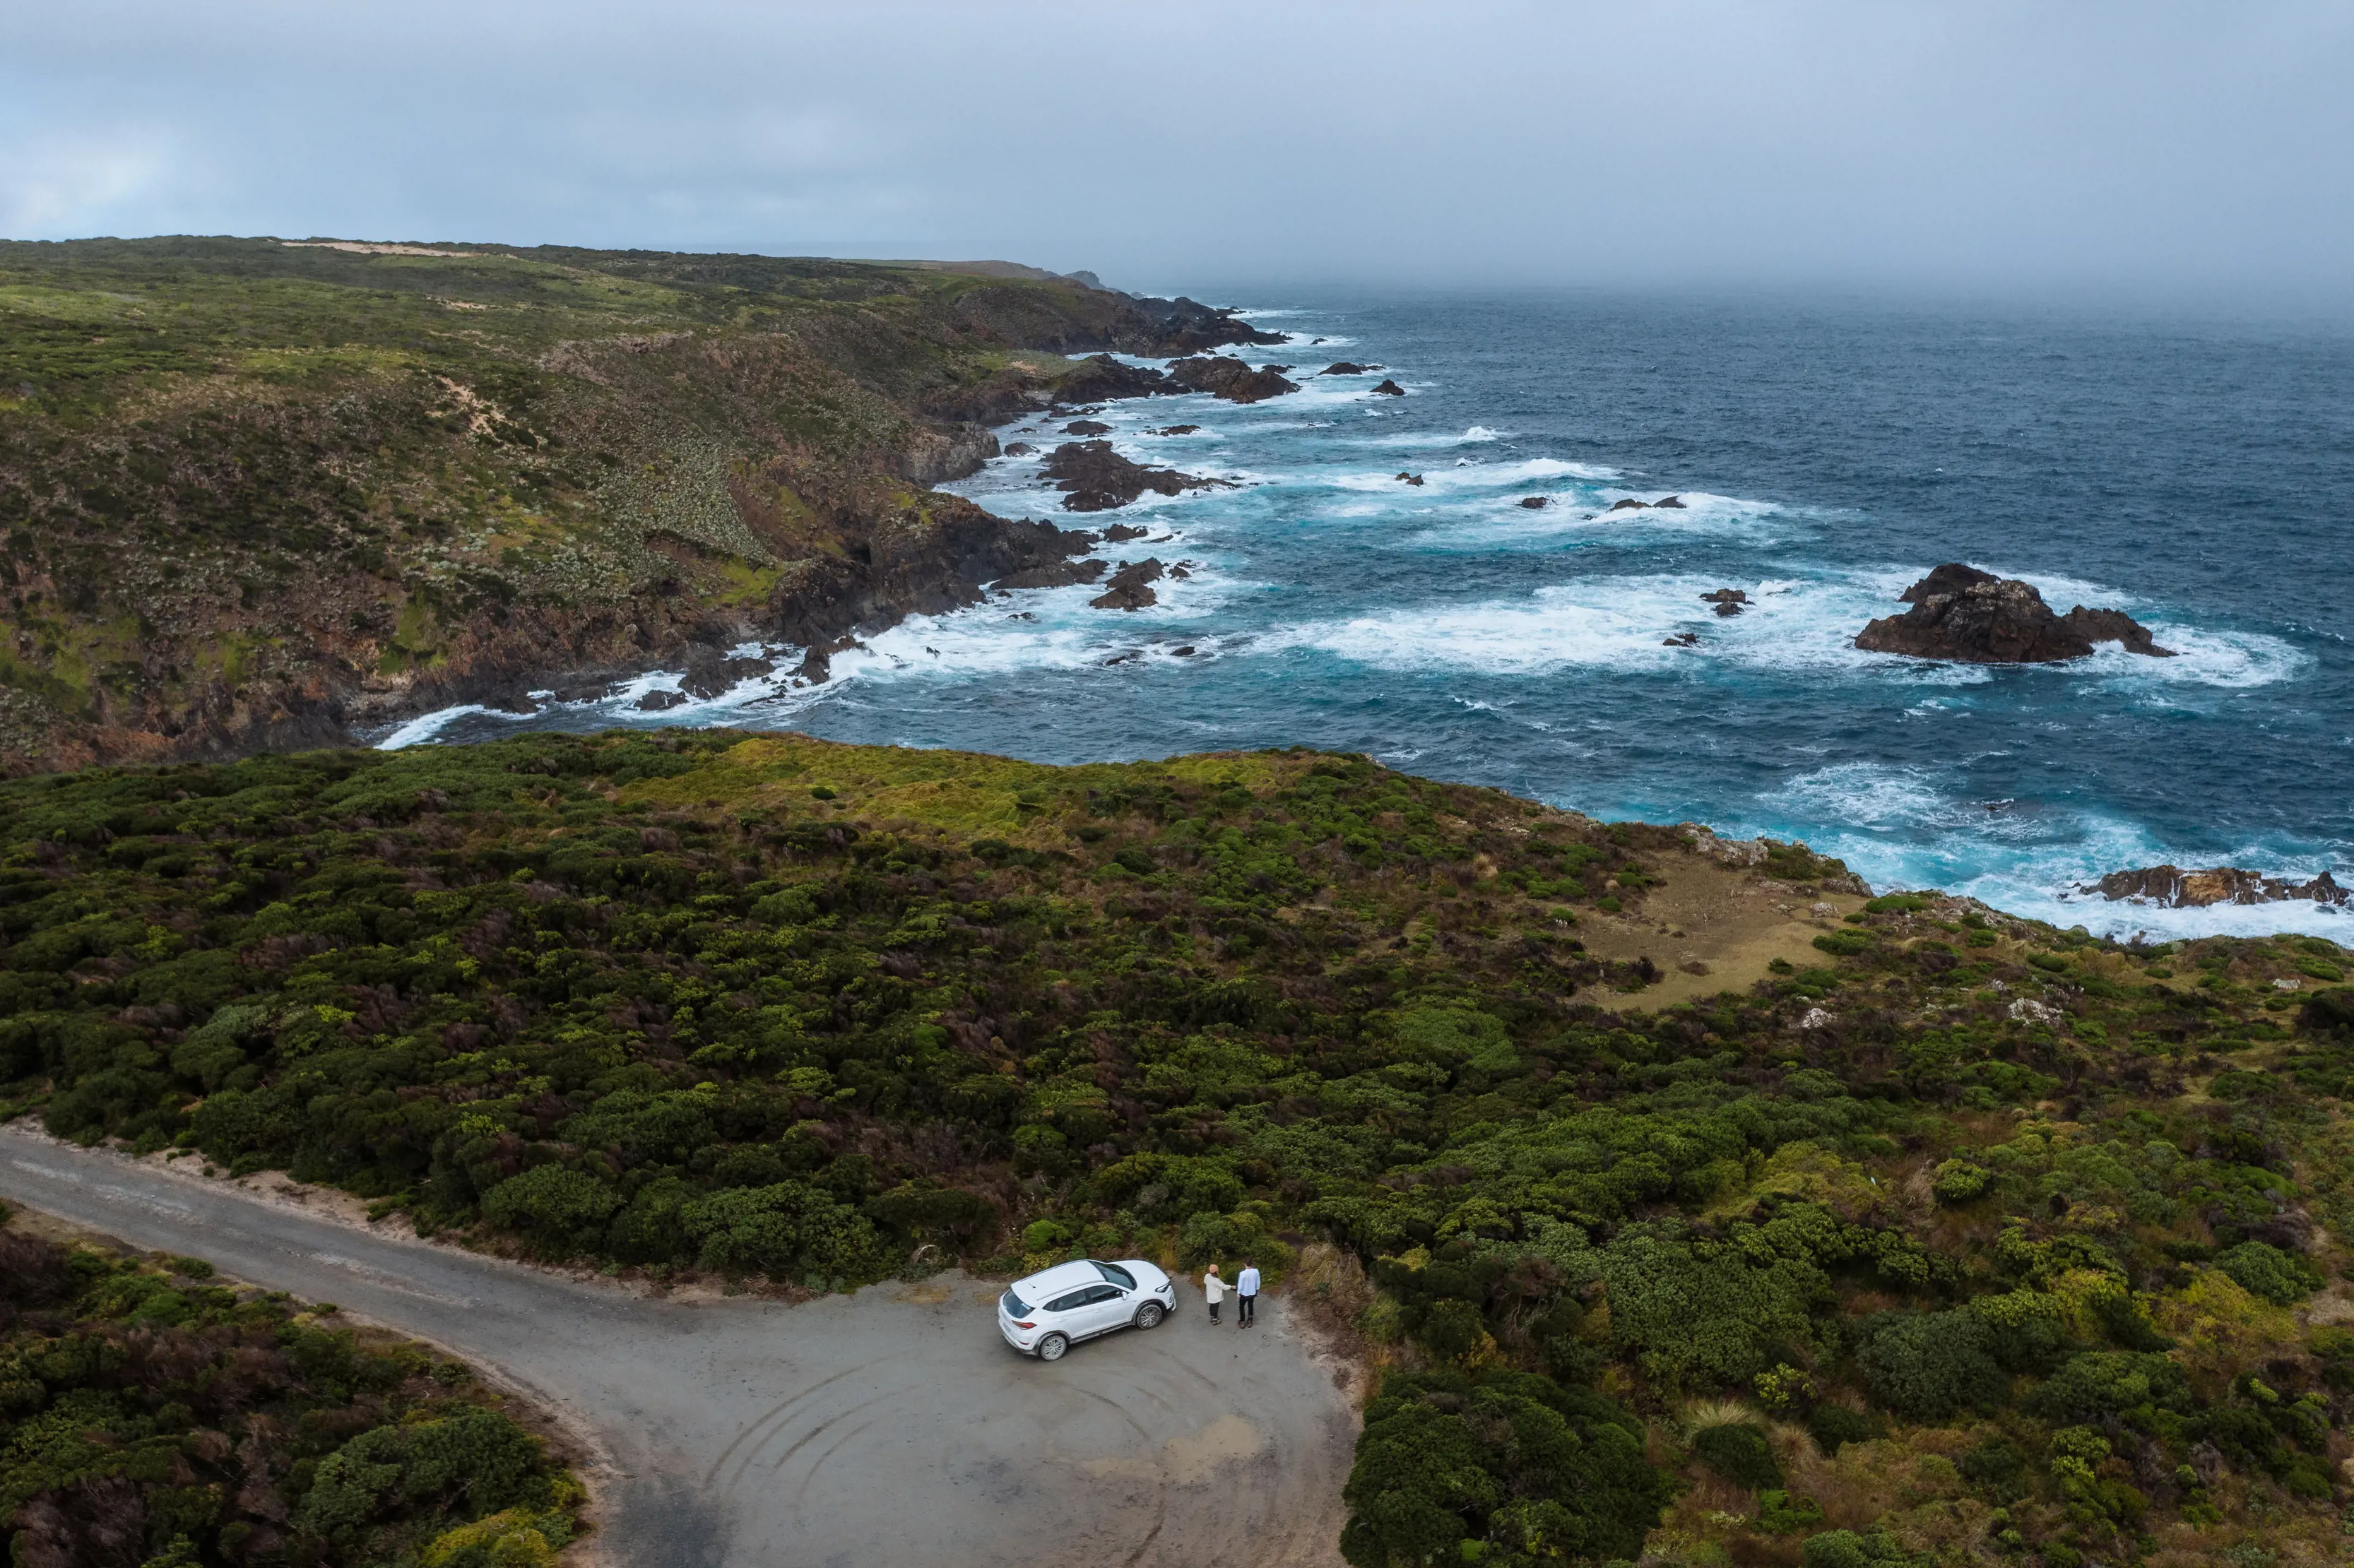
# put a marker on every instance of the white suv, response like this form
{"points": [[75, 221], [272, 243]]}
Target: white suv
{"points": [[1046, 1314]]}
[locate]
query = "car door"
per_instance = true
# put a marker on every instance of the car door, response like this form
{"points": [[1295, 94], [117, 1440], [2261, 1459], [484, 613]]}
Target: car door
{"points": [[1070, 1313], [1105, 1309]]}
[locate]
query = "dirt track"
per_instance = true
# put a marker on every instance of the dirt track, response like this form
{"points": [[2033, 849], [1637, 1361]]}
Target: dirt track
{"points": [[893, 1426]]}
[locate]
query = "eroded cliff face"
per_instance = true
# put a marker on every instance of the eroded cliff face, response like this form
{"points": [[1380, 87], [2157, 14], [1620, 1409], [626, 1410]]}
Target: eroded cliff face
{"points": [[255, 495]]}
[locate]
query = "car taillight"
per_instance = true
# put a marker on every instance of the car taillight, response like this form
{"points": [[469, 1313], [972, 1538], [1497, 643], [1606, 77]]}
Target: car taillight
{"points": [[1025, 1325]]}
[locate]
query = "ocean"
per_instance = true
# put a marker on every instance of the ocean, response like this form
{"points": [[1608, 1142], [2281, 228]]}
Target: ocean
{"points": [[2198, 475]]}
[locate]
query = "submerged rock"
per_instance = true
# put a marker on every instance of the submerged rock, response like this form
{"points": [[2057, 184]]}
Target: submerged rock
{"points": [[1094, 478], [2174, 888], [1973, 617], [1343, 368], [1229, 378], [1127, 589], [1176, 429]]}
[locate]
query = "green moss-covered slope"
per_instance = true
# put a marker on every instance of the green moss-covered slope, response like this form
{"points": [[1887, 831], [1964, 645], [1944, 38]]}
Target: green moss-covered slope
{"points": [[1968, 1240], [148, 1414]]}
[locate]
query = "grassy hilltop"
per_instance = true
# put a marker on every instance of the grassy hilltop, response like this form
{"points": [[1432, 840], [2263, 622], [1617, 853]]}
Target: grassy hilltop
{"points": [[1676, 1192], [258, 493]]}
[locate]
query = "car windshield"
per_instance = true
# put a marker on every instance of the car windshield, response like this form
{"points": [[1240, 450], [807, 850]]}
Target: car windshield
{"points": [[1117, 1275], [1015, 1305]]}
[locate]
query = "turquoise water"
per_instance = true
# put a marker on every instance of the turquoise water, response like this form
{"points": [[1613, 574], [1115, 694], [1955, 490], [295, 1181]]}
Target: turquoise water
{"points": [[2200, 477]]}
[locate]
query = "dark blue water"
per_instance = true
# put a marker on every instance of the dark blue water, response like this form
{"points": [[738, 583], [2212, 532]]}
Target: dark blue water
{"points": [[2200, 477]]}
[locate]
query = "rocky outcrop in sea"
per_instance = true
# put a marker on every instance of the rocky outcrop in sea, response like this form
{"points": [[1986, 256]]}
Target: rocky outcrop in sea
{"points": [[1225, 377], [1962, 614], [1094, 478]]}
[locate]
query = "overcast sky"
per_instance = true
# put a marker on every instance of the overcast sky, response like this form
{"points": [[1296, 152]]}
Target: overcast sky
{"points": [[2009, 145]]}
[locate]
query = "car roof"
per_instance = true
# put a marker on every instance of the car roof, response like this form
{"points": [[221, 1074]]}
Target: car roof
{"points": [[1062, 1276]]}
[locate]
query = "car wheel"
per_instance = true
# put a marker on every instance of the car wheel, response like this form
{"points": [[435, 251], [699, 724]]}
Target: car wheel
{"points": [[1051, 1347], [1148, 1314]]}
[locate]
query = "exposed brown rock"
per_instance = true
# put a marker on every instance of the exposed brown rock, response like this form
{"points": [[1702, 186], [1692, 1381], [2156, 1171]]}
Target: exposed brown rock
{"points": [[1094, 478], [1060, 574], [1103, 379], [2174, 888], [1964, 614], [1087, 427], [1411, 478], [1176, 429], [2116, 626], [1671, 503], [1389, 389], [1536, 502], [1020, 448], [1127, 589], [1229, 379]]}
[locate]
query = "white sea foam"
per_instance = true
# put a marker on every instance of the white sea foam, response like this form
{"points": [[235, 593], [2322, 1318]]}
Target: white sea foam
{"points": [[424, 726], [1900, 828]]}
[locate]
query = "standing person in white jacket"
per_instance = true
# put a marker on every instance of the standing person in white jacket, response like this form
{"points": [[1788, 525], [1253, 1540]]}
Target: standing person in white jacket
{"points": [[1214, 1289], [1246, 1287]]}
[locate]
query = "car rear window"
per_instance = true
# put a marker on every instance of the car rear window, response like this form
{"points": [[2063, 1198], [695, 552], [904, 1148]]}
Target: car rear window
{"points": [[1015, 1305], [1117, 1275]]}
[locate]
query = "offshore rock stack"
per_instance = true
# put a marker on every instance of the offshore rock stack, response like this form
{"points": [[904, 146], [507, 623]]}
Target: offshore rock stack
{"points": [[1971, 617]]}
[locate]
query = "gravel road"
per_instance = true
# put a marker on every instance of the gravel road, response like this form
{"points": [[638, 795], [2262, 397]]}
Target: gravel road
{"points": [[892, 1426]]}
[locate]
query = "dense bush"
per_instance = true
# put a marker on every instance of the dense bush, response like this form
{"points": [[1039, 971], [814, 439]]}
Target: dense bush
{"points": [[655, 1001], [151, 1416], [1530, 1470], [1930, 1366]]}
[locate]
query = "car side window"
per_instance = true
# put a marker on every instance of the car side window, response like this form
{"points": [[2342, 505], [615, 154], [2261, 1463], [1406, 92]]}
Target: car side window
{"points": [[1102, 1293], [1064, 1303]]}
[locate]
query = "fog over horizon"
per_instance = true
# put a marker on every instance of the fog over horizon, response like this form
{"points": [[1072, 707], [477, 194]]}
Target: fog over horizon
{"points": [[2165, 152]]}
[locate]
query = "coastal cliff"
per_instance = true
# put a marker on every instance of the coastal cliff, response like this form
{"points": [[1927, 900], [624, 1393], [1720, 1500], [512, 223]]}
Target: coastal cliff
{"points": [[256, 494]]}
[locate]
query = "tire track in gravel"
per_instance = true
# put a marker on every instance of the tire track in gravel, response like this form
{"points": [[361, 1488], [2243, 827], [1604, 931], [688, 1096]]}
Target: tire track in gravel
{"points": [[903, 1429]]}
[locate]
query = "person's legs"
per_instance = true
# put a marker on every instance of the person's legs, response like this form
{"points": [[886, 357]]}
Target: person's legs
{"points": [[1213, 1311], [1249, 1312]]}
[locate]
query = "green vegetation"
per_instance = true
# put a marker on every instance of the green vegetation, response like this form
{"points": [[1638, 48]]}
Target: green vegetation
{"points": [[254, 493], [1947, 1250], [149, 1415]]}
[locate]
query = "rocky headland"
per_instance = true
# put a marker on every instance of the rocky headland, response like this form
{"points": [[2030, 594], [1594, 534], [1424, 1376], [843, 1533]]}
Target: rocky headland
{"points": [[264, 495], [1962, 614]]}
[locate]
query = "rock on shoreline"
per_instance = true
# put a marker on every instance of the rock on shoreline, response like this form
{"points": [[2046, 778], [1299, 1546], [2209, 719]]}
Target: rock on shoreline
{"points": [[1962, 614], [2171, 887], [1094, 478], [1225, 377], [1127, 589]]}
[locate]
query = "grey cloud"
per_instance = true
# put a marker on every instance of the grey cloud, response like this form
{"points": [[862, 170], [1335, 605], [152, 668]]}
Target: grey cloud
{"points": [[2161, 146]]}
